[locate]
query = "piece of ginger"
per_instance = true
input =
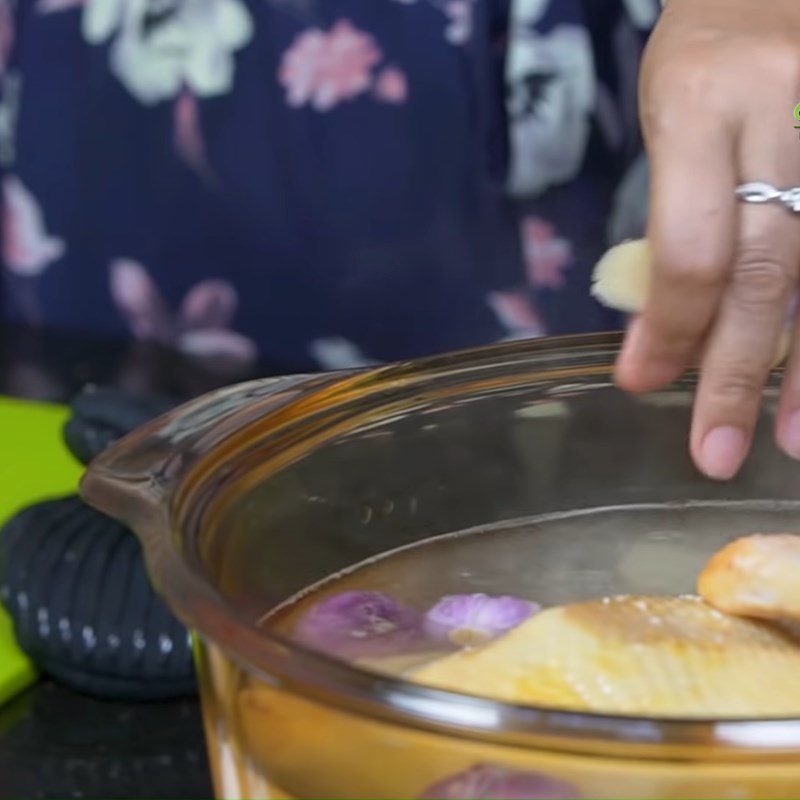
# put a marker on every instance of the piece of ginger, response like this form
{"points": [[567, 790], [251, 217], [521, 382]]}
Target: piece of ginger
{"points": [[621, 278], [621, 281]]}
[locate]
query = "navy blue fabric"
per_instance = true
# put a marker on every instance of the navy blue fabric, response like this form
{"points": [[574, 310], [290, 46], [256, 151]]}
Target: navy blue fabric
{"points": [[381, 226]]}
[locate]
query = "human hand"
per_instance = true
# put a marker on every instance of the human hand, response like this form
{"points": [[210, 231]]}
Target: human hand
{"points": [[719, 84]]}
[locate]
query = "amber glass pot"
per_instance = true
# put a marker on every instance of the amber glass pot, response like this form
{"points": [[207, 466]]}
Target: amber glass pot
{"points": [[247, 495]]}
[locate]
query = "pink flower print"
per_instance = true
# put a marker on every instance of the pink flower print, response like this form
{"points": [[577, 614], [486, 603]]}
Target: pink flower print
{"points": [[546, 256], [187, 133], [209, 305], [459, 15], [200, 327], [223, 344], [28, 249], [140, 301], [323, 69], [517, 314], [391, 86], [352, 54], [301, 66]]}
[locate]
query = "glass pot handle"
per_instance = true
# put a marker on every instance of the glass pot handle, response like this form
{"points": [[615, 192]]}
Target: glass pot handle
{"points": [[131, 480]]}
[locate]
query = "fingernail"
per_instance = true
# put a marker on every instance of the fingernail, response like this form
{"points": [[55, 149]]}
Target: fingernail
{"points": [[722, 452], [791, 435]]}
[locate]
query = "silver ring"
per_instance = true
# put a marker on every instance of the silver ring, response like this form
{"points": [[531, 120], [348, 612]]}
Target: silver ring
{"points": [[766, 193]]}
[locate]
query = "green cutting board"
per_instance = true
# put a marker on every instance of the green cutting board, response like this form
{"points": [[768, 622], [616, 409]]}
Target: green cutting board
{"points": [[34, 465]]}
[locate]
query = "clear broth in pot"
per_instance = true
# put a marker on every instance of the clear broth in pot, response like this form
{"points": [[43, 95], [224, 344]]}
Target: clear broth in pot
{"points": [[552, 560]]}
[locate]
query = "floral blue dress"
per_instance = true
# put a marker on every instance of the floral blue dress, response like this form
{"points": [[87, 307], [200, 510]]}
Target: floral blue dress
{"points": [[321, 183]]}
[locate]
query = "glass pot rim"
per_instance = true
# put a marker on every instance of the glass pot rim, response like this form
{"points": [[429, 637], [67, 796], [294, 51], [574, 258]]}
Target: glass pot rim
{"points": [[150, 478]]}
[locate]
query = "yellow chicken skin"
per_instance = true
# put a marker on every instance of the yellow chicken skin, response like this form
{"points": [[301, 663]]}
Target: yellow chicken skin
{"points": [[756, 576], [654, 656]]}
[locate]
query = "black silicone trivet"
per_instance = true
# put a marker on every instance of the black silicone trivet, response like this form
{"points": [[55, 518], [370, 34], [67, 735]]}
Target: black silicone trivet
{"points": [[102, 415], [75, 584]]}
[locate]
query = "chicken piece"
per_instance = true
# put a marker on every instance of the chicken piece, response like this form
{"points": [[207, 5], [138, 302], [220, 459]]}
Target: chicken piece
{"points": [[756, 576], [621, 281], [400, 664], [634, 655]]}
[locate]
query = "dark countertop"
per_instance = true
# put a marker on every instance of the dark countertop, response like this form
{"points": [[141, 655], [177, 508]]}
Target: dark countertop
{"points": [[55, 743]]}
